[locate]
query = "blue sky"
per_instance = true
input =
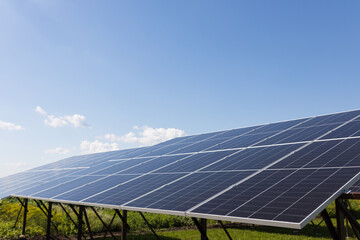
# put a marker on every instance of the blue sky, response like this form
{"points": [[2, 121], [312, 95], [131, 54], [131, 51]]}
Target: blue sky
{"points": [[115, 74]]}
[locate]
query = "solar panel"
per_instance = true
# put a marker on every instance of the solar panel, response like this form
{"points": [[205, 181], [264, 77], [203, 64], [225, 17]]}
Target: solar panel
{"points": [[278, 174]]}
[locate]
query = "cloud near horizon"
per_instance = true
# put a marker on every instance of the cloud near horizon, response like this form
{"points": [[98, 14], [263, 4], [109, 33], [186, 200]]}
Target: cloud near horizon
{"points": [[143, 136], [10, 126], [58, 150], [75, 120], [146, 136], [97, 146]]}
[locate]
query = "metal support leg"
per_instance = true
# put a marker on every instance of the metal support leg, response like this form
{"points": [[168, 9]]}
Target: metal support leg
{"points": [[123, 219], [353, 222], [106, 226], [200, 228], [25, 215], [329, 224], [80, 222], [203, 223], [226, 231], [88, 224], [340, 220], [48, 226], [124, 225]]}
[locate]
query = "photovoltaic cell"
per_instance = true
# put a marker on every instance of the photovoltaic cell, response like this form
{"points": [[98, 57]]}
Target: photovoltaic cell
{"points": [[351, 129], [195, 162], [189, 191], [92, 188], [132, 189], [283, 195], [253, 158], [336, 153]]}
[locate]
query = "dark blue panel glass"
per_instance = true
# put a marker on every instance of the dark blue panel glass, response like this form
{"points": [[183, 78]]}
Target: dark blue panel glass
{"points": [[118, 168], [154, 164], [199, 146], [355, 187], [201, 137], [236, 132], [189, 191], [133, 189], [32, 190], [64, 187], [253, 158], [279, 126], [167, 149], [242, 141], [96, 168], [332, 118], [351, 129], [336, 153], [285, 195], [299, 134], [195, 162], [95, 187]]}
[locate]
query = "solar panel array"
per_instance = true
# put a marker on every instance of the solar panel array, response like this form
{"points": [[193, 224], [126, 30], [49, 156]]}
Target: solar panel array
{"points": [[278, 174]]}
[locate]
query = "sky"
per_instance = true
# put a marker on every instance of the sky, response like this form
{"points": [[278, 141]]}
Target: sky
{"points": [[78, 77]]}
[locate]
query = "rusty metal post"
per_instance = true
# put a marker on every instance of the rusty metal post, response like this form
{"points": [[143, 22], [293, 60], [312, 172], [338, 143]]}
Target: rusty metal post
{"points": [[48, 226], [340, 219], [124, 225], [25, 215]]}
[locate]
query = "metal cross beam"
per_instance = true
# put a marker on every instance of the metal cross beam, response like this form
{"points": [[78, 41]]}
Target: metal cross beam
{"points": [[329, 224], [354, 223], [226, 231], [146, 221], [106, 226]]}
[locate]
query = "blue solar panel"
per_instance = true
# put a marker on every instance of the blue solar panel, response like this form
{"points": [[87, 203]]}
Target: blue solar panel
{"points": [[278, 174]]}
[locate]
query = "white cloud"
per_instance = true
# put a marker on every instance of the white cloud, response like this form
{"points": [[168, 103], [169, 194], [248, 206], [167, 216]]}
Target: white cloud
{"points": [[97, 146], [40, 110], [146, 135], [10, 126], [75, 120], [55, 122], [58, 150]]}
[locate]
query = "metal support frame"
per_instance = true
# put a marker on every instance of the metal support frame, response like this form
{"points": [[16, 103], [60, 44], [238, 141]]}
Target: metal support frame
{"points": [[125, 227], [226, 231], [123, 217], [353, 222], [146, 221], [45, 210], [19, 213], [110, 224], [80, 222], [25, 216], [201, 229], [48, 226], [340, 220], [106, 226], [73, 221], [88, 224], [329, 224]]}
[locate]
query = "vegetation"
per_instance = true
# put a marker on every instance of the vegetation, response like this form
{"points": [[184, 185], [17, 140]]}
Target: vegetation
{"points": [[168, 227]]}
